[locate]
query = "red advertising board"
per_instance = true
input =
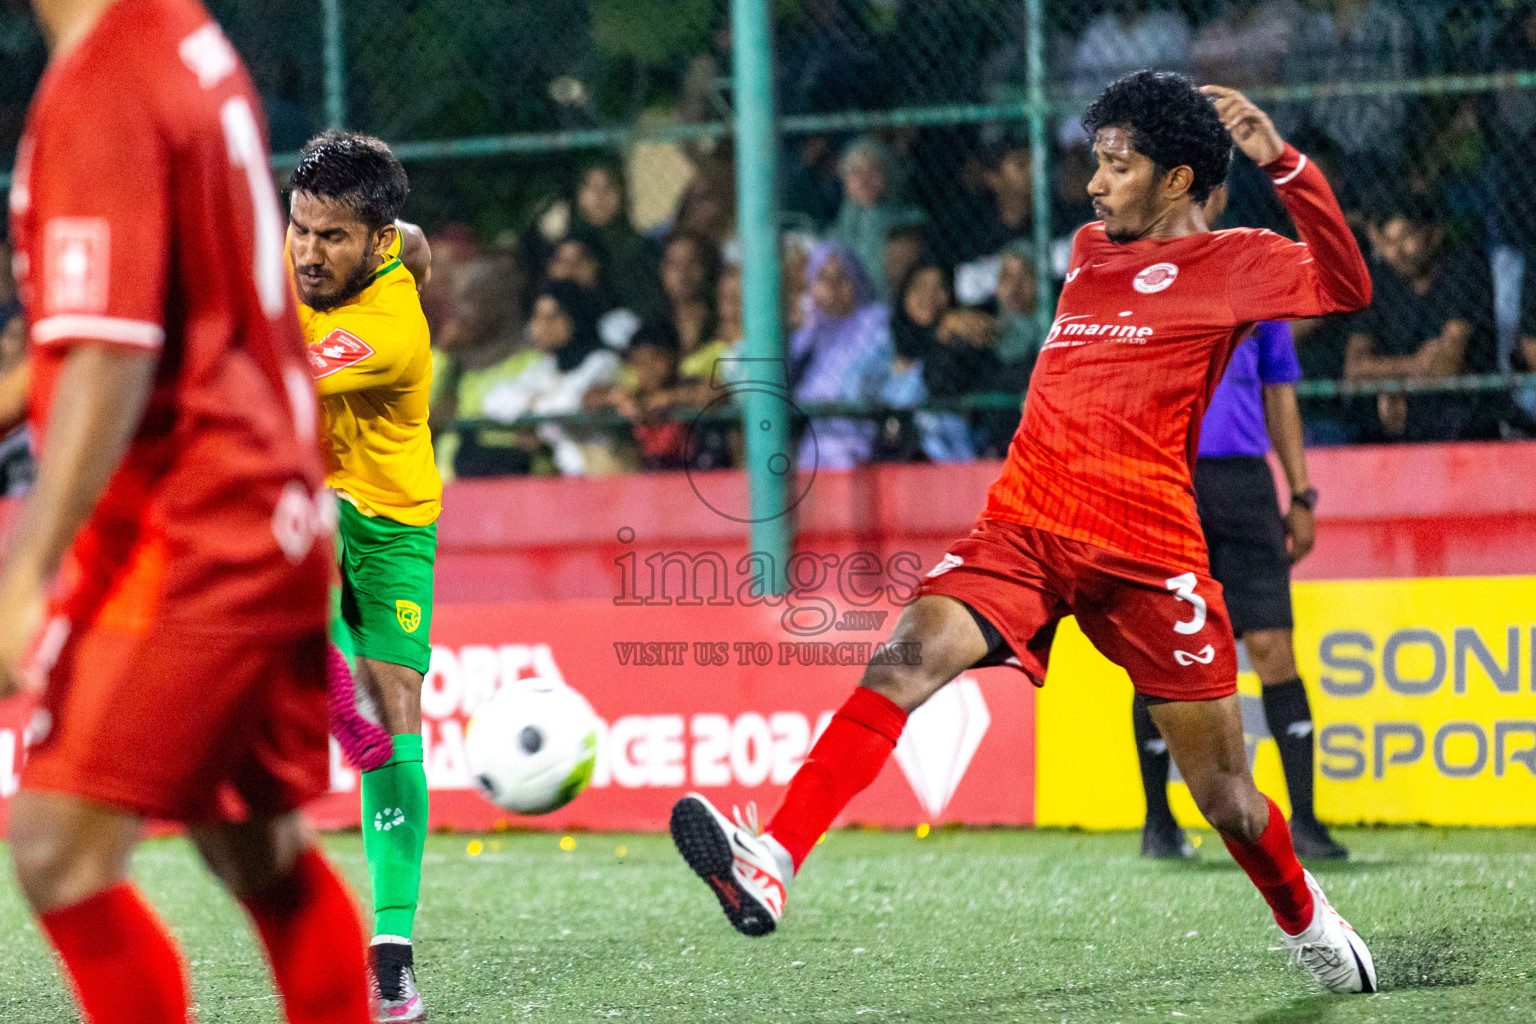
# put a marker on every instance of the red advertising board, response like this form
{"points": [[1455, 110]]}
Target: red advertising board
{"points": [[700, 684], [725, 696], [681, 712]]}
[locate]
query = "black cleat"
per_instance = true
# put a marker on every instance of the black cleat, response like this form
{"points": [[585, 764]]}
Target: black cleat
{"points": [[746, 872], [1311, 840], [1164, 840]]}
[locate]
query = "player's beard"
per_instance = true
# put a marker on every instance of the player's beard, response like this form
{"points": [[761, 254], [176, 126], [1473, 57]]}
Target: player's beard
{"points": [[350, 288], [1114, 227], [1132, 218]]}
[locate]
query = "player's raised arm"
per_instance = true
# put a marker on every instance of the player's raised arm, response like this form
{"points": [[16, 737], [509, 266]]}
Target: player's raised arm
{"points": [[415, 253], [1325, 272]]}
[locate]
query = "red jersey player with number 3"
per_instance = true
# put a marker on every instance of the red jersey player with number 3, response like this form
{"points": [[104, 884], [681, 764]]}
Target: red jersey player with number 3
{"points": [[1094, 514], [178, 488]]}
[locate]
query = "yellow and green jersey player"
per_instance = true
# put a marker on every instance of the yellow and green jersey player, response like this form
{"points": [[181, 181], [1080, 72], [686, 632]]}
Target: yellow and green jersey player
{"points": [[369, 349], [373, 368]]}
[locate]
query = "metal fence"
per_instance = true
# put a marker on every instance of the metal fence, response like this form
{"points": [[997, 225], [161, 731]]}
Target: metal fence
{"points": [[946, 130]]}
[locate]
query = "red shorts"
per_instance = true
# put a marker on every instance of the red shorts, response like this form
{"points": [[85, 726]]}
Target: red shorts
{"points": [[1167, 628], [185, 727]]}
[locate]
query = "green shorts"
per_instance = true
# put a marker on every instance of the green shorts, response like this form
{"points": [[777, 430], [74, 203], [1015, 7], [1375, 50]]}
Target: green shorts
{"points": [[386, 588]]}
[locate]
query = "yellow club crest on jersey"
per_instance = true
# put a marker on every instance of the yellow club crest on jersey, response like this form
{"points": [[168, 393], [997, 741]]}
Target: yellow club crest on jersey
{"points": [[409, 614]]}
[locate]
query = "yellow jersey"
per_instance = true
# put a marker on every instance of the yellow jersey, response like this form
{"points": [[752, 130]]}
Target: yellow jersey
{"points": [[372, 361]]}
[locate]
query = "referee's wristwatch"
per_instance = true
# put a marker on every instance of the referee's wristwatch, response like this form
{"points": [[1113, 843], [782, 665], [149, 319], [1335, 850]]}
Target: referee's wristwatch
{"points": [[1307, 499]]}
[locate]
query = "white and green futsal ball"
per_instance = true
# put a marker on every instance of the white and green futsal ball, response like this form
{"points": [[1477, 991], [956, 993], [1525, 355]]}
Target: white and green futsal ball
{"points": [[531, 747]]}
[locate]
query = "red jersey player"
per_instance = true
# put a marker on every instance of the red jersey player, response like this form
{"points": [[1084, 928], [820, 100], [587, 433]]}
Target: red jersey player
{"points": [[1094, 514], [183, 654]]}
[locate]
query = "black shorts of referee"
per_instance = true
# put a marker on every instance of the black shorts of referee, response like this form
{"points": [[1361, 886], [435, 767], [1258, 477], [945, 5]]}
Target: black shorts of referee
{"points": [[1240, 514]]}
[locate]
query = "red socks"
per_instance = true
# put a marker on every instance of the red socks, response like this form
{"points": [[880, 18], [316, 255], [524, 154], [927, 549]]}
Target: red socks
{"points": [[1272, 865], [315, 944], [847, 758], [124, 964], [127, 970]]}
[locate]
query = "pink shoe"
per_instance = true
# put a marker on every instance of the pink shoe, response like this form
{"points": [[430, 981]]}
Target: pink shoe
{"points": [[366, 745]]}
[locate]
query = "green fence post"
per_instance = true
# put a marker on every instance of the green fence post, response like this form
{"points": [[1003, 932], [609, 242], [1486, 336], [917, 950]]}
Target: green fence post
{"points": [[1040, 172], [764, 408], [335, 67]]}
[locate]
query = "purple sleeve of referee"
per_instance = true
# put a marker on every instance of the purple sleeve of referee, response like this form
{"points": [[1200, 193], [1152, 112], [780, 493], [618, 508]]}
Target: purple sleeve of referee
{"points": [[1234, 424]]}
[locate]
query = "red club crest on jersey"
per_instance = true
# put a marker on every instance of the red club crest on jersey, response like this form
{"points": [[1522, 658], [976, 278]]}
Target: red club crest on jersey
{"points": [[337, 351], [1155, 278]]}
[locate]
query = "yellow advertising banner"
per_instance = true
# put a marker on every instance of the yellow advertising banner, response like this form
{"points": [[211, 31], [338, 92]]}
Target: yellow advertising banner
{"points": [[1423, 699]]}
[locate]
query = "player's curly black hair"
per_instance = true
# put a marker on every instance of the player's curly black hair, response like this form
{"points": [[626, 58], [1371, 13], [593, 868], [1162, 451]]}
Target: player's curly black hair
{"points": [[355, 170], [1171, 123]]}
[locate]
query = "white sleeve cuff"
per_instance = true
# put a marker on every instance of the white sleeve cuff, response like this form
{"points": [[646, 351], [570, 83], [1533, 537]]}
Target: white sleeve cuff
{"points": [[85, 327], [1285, 178]]}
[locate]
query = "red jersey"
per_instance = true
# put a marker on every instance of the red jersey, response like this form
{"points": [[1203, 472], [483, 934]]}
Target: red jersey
{"points": [[1142, 335], [144, 215]]}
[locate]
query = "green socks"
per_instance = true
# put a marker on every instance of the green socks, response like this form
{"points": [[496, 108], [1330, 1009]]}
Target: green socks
{"points": [[394, 833]]}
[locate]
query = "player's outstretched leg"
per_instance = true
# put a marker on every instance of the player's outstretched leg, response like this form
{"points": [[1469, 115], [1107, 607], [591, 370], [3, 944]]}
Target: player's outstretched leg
{"points": [[303, 911], [367, 745], [71, 859], [1206, 740], [749, 874], [1161, 836]]}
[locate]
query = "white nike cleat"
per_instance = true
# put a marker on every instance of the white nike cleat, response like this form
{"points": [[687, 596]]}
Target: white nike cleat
{"points": [[1330, 949], [748, 872], [392, 977]]}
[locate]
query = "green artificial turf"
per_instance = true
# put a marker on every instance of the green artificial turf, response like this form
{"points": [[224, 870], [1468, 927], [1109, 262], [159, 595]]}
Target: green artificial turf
{"points": [[959, 926]]}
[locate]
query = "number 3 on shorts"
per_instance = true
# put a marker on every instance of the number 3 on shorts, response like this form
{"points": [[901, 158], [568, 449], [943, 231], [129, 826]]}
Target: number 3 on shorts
{"points": [[1183, 588]]}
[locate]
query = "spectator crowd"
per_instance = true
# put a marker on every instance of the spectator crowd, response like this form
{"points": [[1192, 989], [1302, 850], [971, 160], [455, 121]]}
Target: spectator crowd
{"points": [[908, 255], [908, 258], [624, 344]]}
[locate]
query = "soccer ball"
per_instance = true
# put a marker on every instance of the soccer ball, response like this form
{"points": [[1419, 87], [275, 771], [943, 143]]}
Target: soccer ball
{"points": [[531, 747]]}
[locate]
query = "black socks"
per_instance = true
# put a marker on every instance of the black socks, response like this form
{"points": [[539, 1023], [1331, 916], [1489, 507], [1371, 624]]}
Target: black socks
{"points": [[1290, 720], [1152, 752]]}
